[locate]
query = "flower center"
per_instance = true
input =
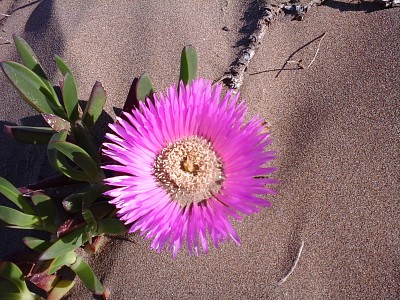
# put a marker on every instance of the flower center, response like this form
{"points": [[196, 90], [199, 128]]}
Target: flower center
{"points": [[189, 170]]}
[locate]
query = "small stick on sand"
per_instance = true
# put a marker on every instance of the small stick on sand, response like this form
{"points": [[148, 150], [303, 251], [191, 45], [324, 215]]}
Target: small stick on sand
{"points": [[316, 53], [5, 15], [293, 266], [299, 63]]}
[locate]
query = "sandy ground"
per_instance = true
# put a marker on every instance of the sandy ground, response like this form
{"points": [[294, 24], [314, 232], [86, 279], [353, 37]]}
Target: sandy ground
{"points": [[335, 127]]}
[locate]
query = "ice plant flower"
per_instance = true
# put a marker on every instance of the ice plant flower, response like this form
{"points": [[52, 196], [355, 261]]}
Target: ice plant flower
{"points": [[185, 164]]}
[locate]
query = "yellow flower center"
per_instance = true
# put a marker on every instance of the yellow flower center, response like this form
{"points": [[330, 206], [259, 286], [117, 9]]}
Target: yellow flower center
{"points": [[189, 170]]}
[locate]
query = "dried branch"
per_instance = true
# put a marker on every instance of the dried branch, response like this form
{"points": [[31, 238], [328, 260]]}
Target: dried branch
{"points": [[299, 10], [234, 78]]}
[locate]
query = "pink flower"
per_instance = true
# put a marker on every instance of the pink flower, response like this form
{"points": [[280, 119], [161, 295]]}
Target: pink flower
{"points": [[189, 161]]}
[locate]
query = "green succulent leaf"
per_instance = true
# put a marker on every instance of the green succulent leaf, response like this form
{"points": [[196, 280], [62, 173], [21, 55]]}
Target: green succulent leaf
{"points": [[102, 209], [56, 123], [16, 219], [36, 244], [141, 89], [69, 90], [31, 62], [32, 89], [144, 88], [17, 296], [188, 68], [79, 237], [13, 274], [70, 97], [47, 211], [59, 160], [61, 65], [11, 192], [87, 276], [88, 216], [65, 244], [60, 289], [7, 287], [81, 158], [60, 261], [75, 202], [84, 140], [95, 104], [111, 226], [30, 135]]}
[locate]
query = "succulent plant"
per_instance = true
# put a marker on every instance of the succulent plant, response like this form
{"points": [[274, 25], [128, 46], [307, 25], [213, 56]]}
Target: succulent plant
{"points": [[70, 207]]}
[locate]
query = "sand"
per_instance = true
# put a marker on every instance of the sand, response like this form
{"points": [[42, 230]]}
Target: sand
{"points": [[335, 127]]}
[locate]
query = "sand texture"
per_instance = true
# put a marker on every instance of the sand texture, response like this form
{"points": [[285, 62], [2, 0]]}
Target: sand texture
{"points": [[335, 127]]}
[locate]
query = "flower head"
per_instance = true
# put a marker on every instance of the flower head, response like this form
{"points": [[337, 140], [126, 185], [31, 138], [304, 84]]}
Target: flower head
{"points": [[185, 164]]}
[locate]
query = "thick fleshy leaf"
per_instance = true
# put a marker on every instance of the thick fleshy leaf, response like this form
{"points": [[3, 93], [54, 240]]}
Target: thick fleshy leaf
{"points": [[13, 274], [17, 296], [63, 184], [81, 158], [91, 223], [111, 226], [47, 211], [95, 104], [87, 276], [188, 69], [59, 161], [16, 219], [141, 88], [84, 140], [94, 246], [70, 97], [102, 209], [30, 135], [60, 261], [66, 244], [75, 202], [144, 88], [88, 216], [7, 287], [11, 192], [58, 124], [44, 281], [36, 244], [60, 289], [31, 62], [70, 225], [32, 89], [61, 65]]}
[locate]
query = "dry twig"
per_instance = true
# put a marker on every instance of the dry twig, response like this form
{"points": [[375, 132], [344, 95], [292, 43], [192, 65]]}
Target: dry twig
{"points": [[299, 10], [293, 266], [234, 77], [299, 63], [316, 52]]}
